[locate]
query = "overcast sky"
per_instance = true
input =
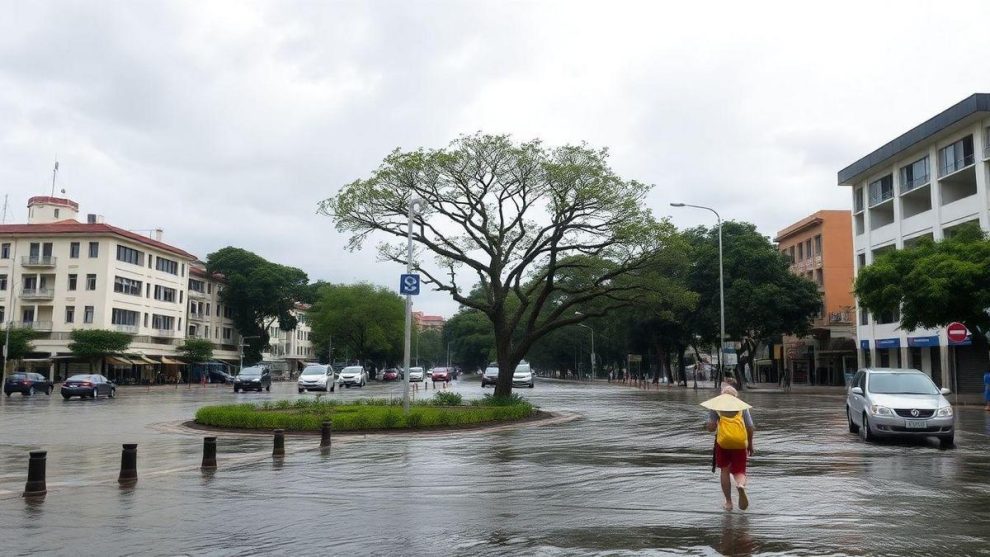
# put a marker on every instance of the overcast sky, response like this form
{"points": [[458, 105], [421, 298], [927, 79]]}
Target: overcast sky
{"points": [[225, 123]]}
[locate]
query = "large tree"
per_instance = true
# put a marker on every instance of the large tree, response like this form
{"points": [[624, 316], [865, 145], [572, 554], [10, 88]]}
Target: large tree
{"points": [[362, 320], [472, 341], [260, 293], [512, 217], [933, 283], [197, 349], [96, 344]]}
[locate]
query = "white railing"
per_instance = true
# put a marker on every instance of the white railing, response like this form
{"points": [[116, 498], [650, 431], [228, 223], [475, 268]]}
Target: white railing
{"points": [[163, 333], [35, 293], [38, 261], [130, 329], [37, 325]]}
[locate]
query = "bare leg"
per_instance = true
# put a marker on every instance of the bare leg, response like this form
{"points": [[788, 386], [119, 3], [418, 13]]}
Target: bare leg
{"points": [[726, 488], [741, 486]]}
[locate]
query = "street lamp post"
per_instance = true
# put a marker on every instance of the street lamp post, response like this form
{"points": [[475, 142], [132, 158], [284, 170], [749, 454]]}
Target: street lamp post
{"points": [[415, 205], [241, 346], [721, 286], [592, 344]]}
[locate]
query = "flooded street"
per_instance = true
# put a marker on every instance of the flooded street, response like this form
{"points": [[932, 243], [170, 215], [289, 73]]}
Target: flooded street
{"points": [[631, 477]]}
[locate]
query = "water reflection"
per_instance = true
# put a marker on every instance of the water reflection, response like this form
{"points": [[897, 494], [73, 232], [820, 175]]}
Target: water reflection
{"points": [[736, 539]]}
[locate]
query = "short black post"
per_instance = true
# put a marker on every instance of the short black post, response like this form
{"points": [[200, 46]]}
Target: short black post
{"points": [[279, 450], [35, 486], [209, 453], [325, 430], [128, 465]]}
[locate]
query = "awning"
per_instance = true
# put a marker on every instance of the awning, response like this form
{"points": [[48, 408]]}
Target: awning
{"points": [[118, 361], [170, 361], [142, 360]]}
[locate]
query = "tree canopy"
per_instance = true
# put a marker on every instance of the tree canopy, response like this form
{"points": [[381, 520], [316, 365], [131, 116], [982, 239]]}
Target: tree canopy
{"points": [[932, 283], [20, 342], [93, 344], [259, 293], [197, 349], [514, 218], [362, 320]]}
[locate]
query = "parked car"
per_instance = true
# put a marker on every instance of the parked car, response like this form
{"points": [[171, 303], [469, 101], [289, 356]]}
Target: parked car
{"points": [[89, 385], [490, 376], [441, 374], [27, 384], [523, 376], [390, 374], [416, 374], [218, 376], [887, 402], [253, 378], [316, 377], [353, 375]]}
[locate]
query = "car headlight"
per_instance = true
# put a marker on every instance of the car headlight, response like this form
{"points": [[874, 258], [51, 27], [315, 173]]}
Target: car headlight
{"points": [[881, 410], [944, 411]]}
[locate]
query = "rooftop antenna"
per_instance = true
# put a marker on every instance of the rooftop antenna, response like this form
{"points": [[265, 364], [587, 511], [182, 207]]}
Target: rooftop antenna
{"points": [[54, 172], [4, 221]]}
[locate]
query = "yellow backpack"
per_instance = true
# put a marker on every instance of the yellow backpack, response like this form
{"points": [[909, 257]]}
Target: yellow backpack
{"points": [[731, 432]]}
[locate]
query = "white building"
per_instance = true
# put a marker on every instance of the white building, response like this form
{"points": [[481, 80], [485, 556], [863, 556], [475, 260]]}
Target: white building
{"points": [[208, 318], [58, 274], [922, 184], [288, 351]]}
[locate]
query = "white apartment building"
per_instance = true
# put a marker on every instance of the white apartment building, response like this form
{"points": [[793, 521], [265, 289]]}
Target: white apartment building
{"points": [[922, 184], [208, 318], [288, 351], [58, 274]]}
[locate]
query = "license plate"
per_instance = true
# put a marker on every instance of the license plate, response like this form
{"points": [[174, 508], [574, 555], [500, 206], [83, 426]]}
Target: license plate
{"points": [[916, 424]]}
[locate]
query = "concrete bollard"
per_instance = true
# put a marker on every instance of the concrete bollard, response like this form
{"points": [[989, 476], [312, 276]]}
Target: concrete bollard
{"points": [[279, 450], [209, 453], [325, 429], [36, 486], [128, 465]]}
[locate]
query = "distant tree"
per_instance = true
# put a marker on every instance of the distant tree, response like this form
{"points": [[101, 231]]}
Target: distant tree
{"points": [[362, 320], [311, 292], [96, 344], [472, 339], [20, 343], [430, 346], [259, 294], [197, 349], [515, 217], [932, 283]]}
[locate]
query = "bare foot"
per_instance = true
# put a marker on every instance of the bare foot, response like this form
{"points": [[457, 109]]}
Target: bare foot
{"points": [[743, 499], [727, 506]]}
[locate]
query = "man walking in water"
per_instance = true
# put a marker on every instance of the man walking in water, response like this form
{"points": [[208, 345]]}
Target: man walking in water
{"points": [[733, 443]]}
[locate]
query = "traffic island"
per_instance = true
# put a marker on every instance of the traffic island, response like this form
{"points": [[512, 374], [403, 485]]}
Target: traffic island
{"points": [[444, 411]]}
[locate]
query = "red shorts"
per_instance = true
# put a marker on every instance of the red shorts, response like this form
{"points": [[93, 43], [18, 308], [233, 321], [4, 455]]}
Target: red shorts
{"points": [[734, 459]]}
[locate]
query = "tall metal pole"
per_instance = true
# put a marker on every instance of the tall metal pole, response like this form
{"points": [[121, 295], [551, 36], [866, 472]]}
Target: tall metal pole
{"points": [[413, 204]]}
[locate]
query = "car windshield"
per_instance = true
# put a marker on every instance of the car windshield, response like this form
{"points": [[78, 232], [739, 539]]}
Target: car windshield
{"points": [[314, 370], [353, 369], [251, 371], [80, 378], [17, 377], [901, 384]]}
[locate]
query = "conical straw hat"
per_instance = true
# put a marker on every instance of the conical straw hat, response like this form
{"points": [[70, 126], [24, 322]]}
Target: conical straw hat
{"points": [[725, 403]]}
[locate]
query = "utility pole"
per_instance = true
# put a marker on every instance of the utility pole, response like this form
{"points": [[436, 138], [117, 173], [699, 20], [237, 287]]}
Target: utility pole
{"points": [[414, 207]]}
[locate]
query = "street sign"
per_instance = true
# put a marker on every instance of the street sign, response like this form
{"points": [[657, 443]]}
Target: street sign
{"points": [[409, 285], [956, 332]]}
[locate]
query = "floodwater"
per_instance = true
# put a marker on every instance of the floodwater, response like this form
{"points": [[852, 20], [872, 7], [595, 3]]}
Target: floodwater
{"points": [[632, 476]]}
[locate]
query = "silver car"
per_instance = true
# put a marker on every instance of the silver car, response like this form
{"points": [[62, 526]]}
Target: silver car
{"points": [[887, 402]]}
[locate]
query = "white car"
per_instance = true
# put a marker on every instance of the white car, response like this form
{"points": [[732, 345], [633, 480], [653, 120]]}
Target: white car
{"points": [[316, 377], [416, 374], [353, 375], [523, 376]]}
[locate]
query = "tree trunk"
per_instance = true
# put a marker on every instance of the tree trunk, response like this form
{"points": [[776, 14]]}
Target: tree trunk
{"points": [[680, 364], [506, 365]]}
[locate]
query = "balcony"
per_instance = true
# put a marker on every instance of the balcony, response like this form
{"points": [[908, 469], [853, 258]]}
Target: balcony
{"points": [[840, 318], [199, 316], [37, 325], [129, 329], [38, 261], [37, 293], [910, 184], [197, 294], [954, 165], [163, 333]]}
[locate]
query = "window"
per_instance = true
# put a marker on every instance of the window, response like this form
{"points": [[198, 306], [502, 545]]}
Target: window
{"points": [[164, 293], [228, 333], [162, 322], [196, 285], [167, 265], [94, 249], [807, 249], [70, 314], [861, 259], [124, 317], [209, 288], [127, 286], [2, 316], [207, 308], [800, 248], [146, 320], [5, 250], [130, 255], [881, 190], [91, 282], [914, 174], [818, 245], [183, 269], [180, 296], [56, 213], [888, 317], [74, 250], [147, 290], [955, 157], [88, 314], [3, 282], [218, 309], [858, 200], [27, 315], [72, 281], [206, 331], [227, 312]]}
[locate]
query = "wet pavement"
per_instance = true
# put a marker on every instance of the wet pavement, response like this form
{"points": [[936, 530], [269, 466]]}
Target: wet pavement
{"points": [[631, 477]]}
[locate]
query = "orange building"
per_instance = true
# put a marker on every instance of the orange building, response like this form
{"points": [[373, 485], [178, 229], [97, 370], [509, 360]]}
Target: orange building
{"points": [[820, 248], [425, 322]]}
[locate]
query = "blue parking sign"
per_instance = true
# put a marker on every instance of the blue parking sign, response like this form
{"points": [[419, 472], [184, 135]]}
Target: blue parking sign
{"points": [[409, 285]]}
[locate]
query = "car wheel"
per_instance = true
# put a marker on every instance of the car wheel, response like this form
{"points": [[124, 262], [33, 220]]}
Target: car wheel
{"points": [[864, 430], [301, 391], [236, 390], [947, 441], [853, 428], [66, 397], [530, 385], [267, 388], [30, 391], [49, 390], [112, 393], [96, 393], [348, 385], [8, 393]]}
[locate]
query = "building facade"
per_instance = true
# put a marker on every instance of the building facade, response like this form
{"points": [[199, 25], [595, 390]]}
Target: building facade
{"points": [[922, 184], [289, 351], [425, 322], [820, 248], [208, 318]]}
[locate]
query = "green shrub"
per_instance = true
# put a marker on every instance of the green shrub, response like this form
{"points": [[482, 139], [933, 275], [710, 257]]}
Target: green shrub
{"points": [[414, 419], [447, 398]]}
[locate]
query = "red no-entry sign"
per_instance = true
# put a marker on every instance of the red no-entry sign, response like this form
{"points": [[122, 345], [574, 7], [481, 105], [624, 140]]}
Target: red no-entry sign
{"points": [[956, 332]]}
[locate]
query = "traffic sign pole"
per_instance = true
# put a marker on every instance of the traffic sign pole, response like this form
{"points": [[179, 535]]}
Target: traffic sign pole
{"points": [[414, 205], [956, 332]]}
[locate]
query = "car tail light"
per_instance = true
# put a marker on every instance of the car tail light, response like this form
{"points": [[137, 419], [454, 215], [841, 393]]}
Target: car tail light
{"points": [[25, 382], [86, 384]]}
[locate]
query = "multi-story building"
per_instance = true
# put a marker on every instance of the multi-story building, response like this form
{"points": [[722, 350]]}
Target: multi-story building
{"points": [[922, 184], [208, 318], [288, 351], [425, 322], [58, 274], [819, 247]]}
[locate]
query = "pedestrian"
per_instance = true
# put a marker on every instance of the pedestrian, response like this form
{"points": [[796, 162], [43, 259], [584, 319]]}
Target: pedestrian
{"points": [[986, 389], [732, 423]]}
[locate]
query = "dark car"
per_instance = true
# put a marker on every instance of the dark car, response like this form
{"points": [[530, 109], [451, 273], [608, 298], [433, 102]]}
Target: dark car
{"points": [[88, 386], [219, 376], [390, 374], [27, 384], [441, 374], [254, 378]]}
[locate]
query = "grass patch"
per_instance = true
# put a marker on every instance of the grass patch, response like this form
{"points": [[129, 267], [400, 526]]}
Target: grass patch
{"points": [[365, 414]]}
